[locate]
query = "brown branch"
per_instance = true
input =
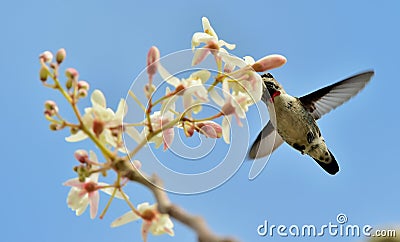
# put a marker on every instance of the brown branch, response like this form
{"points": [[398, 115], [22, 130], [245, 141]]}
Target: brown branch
{"points": [[154, 183]]}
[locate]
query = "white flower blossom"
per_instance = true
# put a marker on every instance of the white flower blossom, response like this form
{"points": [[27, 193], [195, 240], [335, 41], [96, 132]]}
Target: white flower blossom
{"points": [[191, 89], [235, 103], [100, 120], [153, 221], [212, 43], [84, 193]]}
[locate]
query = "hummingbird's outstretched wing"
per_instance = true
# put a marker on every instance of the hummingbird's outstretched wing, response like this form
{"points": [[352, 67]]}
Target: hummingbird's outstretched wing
{"points": [[267, 141], [325, 99]]}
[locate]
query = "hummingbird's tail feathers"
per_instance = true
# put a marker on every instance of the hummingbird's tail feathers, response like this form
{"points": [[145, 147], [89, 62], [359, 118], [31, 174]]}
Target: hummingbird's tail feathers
{"points": [[332, 167], [266, 142]]}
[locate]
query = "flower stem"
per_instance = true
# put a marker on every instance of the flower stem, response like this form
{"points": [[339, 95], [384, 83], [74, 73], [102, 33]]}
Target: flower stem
{"points": [[136, 100], [103, 213], [106, 152]]}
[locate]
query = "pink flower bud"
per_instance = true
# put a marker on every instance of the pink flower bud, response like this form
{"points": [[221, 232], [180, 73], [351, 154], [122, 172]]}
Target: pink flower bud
{"points": [[152, 61], [82, 93], [81, 155], [49, 113], [68, 83], [83, 85], [74, 130], [269, 62], [46, 56], [210, 129], [60, 55], [54, 127], [71, 73], [50, 108], [189, 131], [50, 105]]}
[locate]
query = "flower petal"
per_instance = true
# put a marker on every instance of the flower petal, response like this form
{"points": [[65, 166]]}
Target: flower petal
{"points": [[227, 45], [202, 75], [145, 230], [216, 97], [124, 219], [77, 201], [170, 79], [199, 55], [168, 137], [74, 182], [226, 129], [231, 59], [133, 133], [82, 206], [144, 206], [201, 37], [121, 110], [249, 60], [98, 98], [207, 27], [79, 136], [94, 198], [187, 101], [225, 89], [93, 156]]}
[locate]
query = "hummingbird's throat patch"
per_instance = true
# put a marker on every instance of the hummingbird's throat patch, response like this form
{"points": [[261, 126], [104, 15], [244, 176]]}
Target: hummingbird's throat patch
{"points": [[277, 93]]}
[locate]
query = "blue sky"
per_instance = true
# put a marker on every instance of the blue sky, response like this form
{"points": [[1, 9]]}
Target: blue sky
{"points": [[108, 41]]}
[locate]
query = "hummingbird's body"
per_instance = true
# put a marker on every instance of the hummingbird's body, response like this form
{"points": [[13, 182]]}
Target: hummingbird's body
{"points": [[293, 120], [298, 128]]}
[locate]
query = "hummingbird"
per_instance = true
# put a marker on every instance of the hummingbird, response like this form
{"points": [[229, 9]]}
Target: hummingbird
{"points": [[295, 118]]}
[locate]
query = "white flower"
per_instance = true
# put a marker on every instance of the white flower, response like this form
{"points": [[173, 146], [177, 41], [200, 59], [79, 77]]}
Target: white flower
{"points": [[191, 89], [235, 103], [84, 193], [247, 81], [212, 43], [101, 120], [153, 221], [46, 56]]}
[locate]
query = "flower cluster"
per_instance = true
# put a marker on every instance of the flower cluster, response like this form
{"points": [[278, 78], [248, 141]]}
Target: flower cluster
{"points": [[240, 87]]}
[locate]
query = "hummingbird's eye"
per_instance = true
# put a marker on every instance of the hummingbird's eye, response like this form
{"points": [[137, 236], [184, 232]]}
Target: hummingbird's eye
{"points": [[267, 75]]}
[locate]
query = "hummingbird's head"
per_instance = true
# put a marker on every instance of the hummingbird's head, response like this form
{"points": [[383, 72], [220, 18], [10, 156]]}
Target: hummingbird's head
{"points": [[271, 88]]}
